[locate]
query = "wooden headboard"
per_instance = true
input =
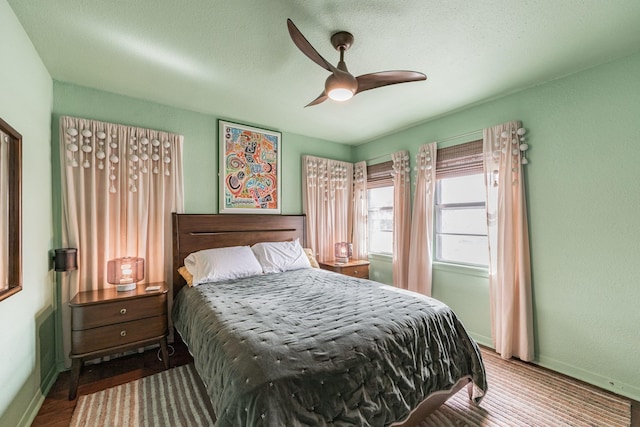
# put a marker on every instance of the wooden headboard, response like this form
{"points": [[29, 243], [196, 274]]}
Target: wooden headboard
{"points": [[195, 232]]}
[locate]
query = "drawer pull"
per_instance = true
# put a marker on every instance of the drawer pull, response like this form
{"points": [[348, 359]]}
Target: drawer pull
{"points": [[123, 333], [355, 272], [123, 311]]}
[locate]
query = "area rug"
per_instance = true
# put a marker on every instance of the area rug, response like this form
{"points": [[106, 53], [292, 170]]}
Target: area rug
{"points": [[519, 395], [170, 398]]}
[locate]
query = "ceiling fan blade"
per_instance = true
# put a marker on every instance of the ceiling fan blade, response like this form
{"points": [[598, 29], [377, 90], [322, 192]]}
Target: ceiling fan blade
{"points": [[323, 97], [306, 48], [385, 78]]}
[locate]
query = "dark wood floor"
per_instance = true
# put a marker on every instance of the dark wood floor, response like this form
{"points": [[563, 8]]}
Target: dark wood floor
{"points": [[56, 411]]}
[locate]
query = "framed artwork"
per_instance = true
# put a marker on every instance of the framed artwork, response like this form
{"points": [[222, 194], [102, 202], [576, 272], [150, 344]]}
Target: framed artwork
{"points": [[249, 171]]}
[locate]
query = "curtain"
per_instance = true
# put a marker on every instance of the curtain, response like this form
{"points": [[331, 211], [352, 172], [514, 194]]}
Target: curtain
{"points": [[401, 218], [360, 211], [509, 262], [120, 185], [4, 218], [327, 202], [420, 249]]}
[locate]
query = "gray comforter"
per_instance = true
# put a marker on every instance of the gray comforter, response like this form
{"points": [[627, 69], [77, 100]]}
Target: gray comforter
{"points": [[313, 348]]}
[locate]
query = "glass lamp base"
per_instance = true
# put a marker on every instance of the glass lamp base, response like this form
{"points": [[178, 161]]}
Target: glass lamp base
{"points": [[125, 287]]}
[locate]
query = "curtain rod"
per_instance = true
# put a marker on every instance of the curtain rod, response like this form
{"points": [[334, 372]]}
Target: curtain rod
{"points": [[451, 138], [462, 135], [382, 156]]}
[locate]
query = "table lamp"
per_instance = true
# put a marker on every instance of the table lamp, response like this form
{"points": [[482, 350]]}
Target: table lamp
{"points": [[125, 272], [343, 251]]}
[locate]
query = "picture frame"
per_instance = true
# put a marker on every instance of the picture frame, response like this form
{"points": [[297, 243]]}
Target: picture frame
{"points": [[250, 169]]}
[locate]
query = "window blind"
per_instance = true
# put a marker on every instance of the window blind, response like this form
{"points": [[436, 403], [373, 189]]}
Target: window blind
{"points": [[459, 160], [380, 175]]}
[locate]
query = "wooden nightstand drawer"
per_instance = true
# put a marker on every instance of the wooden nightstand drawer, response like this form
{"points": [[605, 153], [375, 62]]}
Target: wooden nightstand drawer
{"points": [[361, 271], [89, 340], [92, 316], [353, 268]]}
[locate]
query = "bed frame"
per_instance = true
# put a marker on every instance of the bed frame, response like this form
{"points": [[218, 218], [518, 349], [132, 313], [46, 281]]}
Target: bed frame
{"points": [[194, 232]]}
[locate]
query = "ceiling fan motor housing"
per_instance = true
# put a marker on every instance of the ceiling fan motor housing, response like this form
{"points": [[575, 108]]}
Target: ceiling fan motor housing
{"points": [[340, 86]]}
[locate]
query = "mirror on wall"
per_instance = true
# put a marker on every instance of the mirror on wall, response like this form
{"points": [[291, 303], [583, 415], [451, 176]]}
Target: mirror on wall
{"points": [[11, 206]]}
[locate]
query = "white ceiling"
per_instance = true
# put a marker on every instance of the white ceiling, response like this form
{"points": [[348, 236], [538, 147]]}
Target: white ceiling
{"points": [[234, 59]]}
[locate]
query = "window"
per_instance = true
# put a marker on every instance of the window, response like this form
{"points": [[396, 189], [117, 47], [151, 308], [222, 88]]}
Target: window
{"points": [[380, 220], [380, 206], [460, 212], [461, 221]]}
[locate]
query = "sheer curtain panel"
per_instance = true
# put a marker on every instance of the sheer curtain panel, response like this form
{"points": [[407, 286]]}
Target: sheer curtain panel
{"points": [[509, 262], [401, 218], [360, 210], [120, 185], [327, 202], [420, 252]]}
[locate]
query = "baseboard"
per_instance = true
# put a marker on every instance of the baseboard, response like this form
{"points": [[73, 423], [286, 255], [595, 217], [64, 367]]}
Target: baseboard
{"points": [[61, 366], [610, 384], [481, 339], [618, 387], [38, 399]]}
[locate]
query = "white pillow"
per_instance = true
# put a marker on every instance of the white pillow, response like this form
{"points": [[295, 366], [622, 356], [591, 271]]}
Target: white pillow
{"points": [[276, 257], [214, 265]]}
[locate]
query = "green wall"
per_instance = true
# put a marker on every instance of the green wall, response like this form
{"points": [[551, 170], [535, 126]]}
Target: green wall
{"points": [[27, 359], [583, 184]]}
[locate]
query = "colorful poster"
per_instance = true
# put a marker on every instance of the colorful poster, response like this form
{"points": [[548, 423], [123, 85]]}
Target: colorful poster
{"points": [[249, 169]]}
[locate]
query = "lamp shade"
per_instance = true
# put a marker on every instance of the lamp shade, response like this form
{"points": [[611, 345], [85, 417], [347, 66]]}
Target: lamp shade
{"points": [[66, 259], [125, 272], [343, 251]]}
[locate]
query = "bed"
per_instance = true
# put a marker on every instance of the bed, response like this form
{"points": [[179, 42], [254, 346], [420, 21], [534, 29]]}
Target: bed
{"points": [[313, 347]]}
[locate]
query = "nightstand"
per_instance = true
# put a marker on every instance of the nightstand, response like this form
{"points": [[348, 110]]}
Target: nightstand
{"points": [[353, 268], [104, 322]]}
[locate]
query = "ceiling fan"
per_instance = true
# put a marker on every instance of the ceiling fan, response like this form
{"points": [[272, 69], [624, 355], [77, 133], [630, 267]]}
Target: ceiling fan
{"points": [[342, 85]]}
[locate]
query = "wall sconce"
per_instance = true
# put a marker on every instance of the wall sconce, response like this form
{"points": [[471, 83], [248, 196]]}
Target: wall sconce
{"points": [[125, 272], [343, 251], [65, 259]]}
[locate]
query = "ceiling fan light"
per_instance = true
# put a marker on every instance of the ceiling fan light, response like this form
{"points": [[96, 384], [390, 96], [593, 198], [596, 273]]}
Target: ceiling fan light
{"points": [[340, 94], [340, 86]]}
